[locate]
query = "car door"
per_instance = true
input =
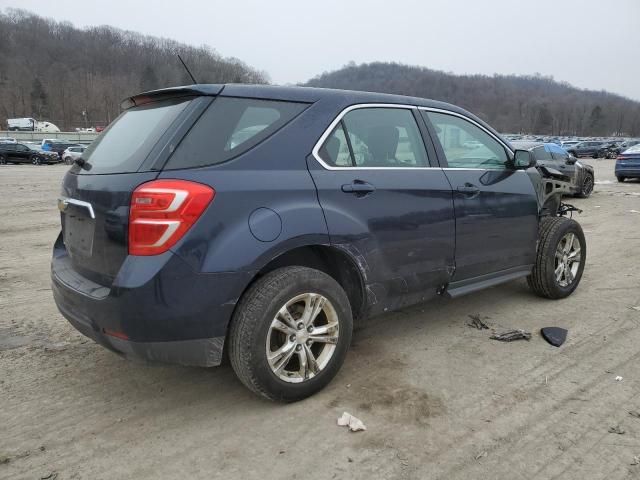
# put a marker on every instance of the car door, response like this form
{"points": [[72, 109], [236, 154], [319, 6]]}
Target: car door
{"points": [[496, 206], [564, 162], [385, 203], [22, 153], [10, 151]]}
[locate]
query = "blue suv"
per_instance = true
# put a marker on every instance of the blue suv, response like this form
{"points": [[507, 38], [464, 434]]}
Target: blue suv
{"points": [[260, 222]]}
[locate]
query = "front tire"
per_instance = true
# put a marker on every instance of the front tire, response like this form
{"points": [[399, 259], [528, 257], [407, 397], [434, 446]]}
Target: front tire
{"points": [[35, 160], [3, 160], [586, 189], [560, 260], [290, 333], [620, 179]]}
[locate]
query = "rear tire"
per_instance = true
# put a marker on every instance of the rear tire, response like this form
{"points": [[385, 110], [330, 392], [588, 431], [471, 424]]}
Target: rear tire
{"points": [[268, 320], [620, 179], [3, 160], [586, 189], [560, 260]]}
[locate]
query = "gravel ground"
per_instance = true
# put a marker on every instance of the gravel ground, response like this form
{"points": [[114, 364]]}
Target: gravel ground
{"points": [[439, 399]]}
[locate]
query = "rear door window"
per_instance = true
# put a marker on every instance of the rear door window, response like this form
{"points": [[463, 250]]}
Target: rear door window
{"points": [[125, 144], [376, 137], [230, 127]]}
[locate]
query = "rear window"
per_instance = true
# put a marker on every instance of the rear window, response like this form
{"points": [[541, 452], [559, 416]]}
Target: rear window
{"points": [[230, 127], [123, 147], [541, 153]]}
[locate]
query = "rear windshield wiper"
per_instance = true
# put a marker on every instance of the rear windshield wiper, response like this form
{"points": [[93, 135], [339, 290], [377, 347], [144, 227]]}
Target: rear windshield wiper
{"points": [[82, 163]]}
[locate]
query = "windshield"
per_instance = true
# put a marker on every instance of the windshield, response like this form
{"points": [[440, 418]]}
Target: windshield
{"points": [[123, 147]]}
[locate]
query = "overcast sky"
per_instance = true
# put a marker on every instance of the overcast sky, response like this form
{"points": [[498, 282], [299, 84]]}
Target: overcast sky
{"points": [[591, 44]]}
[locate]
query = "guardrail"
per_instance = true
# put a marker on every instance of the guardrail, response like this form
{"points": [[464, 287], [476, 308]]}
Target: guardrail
{"points": [[79, 137]]}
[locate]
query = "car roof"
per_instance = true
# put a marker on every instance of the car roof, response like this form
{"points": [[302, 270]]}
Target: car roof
{"points": [[526, 145], [341, 98], [548, 146]]}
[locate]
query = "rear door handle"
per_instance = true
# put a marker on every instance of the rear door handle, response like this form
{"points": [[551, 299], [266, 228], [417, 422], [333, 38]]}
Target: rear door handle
{"points": [[468, 189], [358, 187]]}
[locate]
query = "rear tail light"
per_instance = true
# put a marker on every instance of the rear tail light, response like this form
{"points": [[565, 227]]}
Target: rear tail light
{"points": [[162, 211]]}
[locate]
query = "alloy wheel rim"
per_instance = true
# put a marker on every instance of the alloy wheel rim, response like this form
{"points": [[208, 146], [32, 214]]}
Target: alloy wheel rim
{"points": [[587, 186], [302, 338], [567, 259]]}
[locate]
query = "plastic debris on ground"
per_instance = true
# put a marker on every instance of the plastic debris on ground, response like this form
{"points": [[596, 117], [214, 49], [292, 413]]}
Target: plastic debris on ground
{"points": [[476, 322], [481, 455], [354, 424], [618, 378], [554, 335], [617, 430], [511, 335]]}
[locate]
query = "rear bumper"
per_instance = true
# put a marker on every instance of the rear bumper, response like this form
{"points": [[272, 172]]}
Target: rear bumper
{"points": [[627, 170], [175, 316]]}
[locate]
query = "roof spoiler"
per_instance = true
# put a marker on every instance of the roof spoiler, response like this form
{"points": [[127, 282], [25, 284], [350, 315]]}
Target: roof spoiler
{"points": [[165, 93]]}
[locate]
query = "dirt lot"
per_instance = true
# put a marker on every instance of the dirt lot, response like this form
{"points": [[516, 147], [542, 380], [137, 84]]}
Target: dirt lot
{"points": [[439, 399]]}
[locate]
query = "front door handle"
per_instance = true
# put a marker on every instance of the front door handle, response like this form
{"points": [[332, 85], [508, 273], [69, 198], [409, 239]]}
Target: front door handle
{"points": [[469, 189], [358, 187]]}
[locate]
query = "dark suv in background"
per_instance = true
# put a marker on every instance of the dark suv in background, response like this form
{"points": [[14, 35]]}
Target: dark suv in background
{"points": [[21, 153], [580, 174], [262, 221], [586, 149]]}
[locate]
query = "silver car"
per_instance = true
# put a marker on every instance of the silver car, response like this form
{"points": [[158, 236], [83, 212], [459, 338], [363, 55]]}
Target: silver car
{"points": [[72, 153]]}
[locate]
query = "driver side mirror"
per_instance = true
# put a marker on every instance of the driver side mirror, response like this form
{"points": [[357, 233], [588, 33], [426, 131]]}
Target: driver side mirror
{"points": [[571, 160], [523, 159]]}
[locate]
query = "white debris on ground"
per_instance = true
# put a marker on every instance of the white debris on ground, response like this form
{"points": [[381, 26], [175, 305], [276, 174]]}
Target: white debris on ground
{"points": [[618, 378], [354, 424]]}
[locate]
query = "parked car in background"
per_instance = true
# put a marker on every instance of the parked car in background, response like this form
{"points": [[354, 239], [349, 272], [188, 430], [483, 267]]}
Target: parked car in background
{"points": [[627, 144], [340, 206], [628, 163], [568, 144], [71, 153], [549, 154], [25, 153], [585, 149], [608, 150], [60, 147], [8, 140]]}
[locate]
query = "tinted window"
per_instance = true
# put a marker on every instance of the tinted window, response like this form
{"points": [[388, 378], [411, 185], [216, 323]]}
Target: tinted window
{"points": [[466, 145], [378, 137], [8, 147], [125, 144], [229, 127]]}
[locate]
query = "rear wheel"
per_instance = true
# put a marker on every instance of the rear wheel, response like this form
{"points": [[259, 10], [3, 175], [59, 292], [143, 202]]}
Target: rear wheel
{"points": [[3, 160], [560, 260], [620, 178], [587, 186], [290, 333]]}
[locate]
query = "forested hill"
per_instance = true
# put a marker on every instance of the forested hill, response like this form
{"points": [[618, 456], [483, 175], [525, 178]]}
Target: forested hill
{"points": [[513, 104], [54, 71]]}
